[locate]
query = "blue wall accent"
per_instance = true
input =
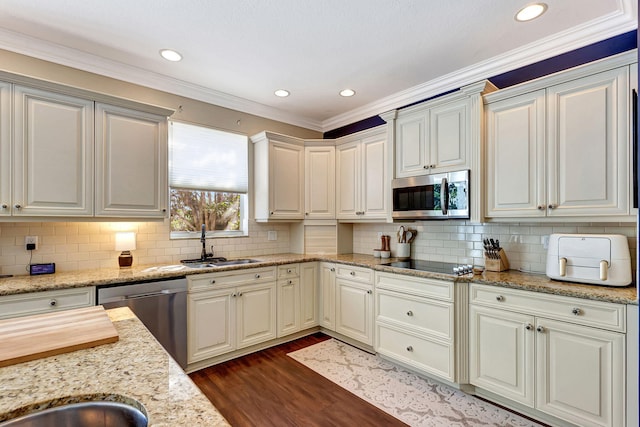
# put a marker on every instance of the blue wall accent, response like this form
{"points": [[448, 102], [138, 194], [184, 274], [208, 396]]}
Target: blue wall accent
{"points": [[602, 49]]}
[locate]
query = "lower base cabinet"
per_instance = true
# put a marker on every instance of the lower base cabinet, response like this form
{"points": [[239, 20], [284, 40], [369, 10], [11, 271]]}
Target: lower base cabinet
{"points": [[297, 298], [562, 356], [46, 302]]}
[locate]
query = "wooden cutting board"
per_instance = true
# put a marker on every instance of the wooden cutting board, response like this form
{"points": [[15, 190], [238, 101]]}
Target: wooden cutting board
{"points": [[42, 335]]}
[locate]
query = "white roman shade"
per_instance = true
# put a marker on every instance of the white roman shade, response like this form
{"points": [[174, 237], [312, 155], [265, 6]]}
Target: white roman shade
{"points": [[202, 158]]}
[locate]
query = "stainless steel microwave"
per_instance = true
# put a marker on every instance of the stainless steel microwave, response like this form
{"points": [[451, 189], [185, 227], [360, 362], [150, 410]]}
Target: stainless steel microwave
{"points": [[436, 196]]}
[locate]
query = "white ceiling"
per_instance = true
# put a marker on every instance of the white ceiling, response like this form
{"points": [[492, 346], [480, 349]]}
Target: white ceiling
{"points": [[237, 52]]}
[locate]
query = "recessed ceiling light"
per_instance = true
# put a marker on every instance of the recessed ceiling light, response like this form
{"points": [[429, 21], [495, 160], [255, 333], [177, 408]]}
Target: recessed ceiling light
{"points": [[281, 93], [170, 55], [531, 11], [347, 92]]}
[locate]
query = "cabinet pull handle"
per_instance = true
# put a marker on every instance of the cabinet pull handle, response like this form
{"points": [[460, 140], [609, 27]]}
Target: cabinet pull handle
{"points": [[234, 295], [500, 298], [53, 303], [353, 273], [212, 281], [552, 206], [528, 326], [369, 291], [333, 269], [290, 282], [257, 276], [164, 209], [270, 213], [540, 207], [4, 206], [17, 206], [540, 329], [409, 313], [432, 166], [410, 348], [289, 271], [425, 167], [576, 311], [239, 294]]}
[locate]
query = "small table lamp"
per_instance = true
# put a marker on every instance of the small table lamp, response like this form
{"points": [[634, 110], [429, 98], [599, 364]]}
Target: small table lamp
{"points": [[125, 242]]}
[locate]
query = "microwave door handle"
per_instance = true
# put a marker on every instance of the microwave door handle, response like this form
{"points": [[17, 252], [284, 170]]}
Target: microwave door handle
{"points": [[444, 196]]}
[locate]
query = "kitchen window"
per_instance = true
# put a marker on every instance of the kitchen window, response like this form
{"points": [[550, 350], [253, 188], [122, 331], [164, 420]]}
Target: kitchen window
{"points": [[208, 181]]}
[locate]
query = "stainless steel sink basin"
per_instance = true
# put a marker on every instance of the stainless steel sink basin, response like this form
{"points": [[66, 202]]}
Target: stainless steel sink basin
{"points": [[218, 262], [209, 260], [84, 414]]}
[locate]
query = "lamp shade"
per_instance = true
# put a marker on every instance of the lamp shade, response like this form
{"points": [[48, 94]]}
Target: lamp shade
{"points": [[125, 241]]}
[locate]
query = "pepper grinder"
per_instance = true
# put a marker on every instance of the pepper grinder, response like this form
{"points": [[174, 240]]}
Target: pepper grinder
{"points": [[385, 252]]}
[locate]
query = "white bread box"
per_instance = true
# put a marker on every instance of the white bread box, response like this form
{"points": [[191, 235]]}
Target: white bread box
{"points": [[599, 259]]}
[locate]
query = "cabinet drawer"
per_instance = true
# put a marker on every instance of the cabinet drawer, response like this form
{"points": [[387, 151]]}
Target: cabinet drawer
{"points": [[228, 279], [357, 274], [599, 314], [432, 288], [46, 302], [428, 355], [420, 314], [289, 270]]}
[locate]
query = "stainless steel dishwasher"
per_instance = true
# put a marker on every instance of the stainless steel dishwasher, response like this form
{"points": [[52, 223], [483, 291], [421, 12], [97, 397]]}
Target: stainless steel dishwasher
{"points": [[160, 305]]}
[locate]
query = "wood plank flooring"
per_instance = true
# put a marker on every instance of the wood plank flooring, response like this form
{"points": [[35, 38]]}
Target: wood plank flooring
{"points": [[268, 388]]}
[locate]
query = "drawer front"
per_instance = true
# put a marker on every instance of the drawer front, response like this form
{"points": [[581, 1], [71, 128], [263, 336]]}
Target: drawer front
{"points": [[420, 314], [46, 302], [598, 314], [431, 288], [229, 279], [428, 355], [357, 274], [289, 270]]}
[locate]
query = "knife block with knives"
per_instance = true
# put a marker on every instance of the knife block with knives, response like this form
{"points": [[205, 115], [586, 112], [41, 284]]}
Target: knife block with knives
{"points": [[495, 258]]}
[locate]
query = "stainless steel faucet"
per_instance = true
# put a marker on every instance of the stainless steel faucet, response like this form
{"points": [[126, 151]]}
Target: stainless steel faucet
{"points": [[203, 254]]}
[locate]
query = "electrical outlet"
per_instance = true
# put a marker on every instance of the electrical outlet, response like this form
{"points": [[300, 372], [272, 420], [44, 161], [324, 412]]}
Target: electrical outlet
{"points": [[379, 234], [272, 235], [31, 242], [544, 240]]}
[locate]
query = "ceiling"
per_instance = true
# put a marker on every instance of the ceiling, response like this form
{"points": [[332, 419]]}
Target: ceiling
{"points": [[238, 52]]}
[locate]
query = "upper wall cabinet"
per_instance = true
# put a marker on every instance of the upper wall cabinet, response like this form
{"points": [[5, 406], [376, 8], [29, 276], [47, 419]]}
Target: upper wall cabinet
{"points": [[362, 190], [320, 181], [278, 177], [561, 149], [52, 154], [62, 154], [131, 163]]}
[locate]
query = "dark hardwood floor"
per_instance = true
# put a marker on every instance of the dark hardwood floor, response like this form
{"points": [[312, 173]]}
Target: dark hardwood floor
{"points": [[268, 388]]}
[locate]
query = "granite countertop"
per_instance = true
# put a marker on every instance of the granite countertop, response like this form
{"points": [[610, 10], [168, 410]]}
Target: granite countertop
{"points": [[511, 279], [133, 369]]}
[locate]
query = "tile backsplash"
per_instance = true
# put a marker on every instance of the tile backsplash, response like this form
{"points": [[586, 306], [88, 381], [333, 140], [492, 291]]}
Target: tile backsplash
{"points": [[88, 245], [461, 242]]}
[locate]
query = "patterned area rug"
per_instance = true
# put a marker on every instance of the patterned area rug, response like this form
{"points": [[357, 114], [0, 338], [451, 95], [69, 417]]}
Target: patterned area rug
{"points": [[406, 396]]}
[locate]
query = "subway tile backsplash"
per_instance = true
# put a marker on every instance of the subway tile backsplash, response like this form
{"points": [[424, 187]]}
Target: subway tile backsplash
{"points": [[461, 242]]}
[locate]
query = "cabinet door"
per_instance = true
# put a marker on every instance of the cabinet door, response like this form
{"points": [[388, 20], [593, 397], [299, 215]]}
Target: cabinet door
{"points": [[501, 347], [131, 163], [308, 295], [515, 172], [211, 322], [354, 310], [449, 136], [256, 314], [320, 182], [580, 373], [374, 176], [348, 175], [286, 181], [53, 154], [328, 296], [588, 145], [411, 145], [5, 149], [288, 306]]}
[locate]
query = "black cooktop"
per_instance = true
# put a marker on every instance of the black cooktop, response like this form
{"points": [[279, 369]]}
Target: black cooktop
{"points": [[433, 266]]}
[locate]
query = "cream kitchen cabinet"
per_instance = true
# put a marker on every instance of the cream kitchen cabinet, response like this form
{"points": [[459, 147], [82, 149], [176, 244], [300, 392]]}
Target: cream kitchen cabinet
{"points": [[131, 163], [362, 192], [433, 138], [309, 302], [297, 298], [415, 323], [354, 303], [229, 311], [561, 356], [6, 91], [53, 152], [320, 182], [279, 177], [46, 302], [327, 288], [561, 150]]}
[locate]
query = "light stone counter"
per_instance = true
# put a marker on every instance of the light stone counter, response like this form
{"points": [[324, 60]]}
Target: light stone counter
{"points": [[512, 279], [134, 369]]}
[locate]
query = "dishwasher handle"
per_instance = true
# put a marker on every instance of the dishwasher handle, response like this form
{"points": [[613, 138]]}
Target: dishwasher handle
{"points": [[154, 294]]}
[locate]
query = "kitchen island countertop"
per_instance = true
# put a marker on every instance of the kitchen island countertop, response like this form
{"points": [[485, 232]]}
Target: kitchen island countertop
{"points": [[511, 278], [133, 369]]}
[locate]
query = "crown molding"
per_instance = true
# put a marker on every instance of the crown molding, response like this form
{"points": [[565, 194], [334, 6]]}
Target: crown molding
{"points": [[55, 53], [610, 25]]}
